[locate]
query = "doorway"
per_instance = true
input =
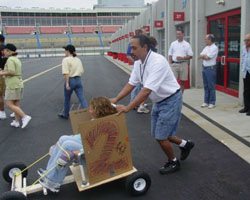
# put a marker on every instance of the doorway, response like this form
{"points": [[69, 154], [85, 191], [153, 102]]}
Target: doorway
{"points": [[226, 29]]}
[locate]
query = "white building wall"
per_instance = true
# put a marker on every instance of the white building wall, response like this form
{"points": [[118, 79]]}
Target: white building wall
{"points": [[195, 24], [214, 8]]}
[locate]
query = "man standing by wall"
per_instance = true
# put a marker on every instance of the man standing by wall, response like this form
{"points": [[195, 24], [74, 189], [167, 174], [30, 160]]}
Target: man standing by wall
{"points": [[159, 84], [2, 84], [245, 63], [180, 52], [208, 56]]}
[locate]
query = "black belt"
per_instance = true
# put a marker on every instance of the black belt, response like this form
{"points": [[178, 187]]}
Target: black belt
{"points": [[209, 66], [170, 96], [179, 62], [75, 77]]}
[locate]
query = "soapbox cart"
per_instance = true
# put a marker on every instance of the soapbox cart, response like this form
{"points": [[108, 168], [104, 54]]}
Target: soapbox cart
{"points": [[106, 157]]}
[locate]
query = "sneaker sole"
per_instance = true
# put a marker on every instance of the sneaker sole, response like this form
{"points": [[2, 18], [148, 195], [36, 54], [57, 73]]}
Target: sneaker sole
{"points": [[169, 172]]}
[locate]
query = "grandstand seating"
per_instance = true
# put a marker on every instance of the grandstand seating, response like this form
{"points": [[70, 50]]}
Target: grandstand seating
{"points": [[19, 29], [54, 37], [59, 29], [110, 29], [52, 30]]}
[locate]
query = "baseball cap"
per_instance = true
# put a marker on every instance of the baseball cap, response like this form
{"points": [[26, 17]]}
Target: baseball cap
{"points": [[70, 48], [10, 47]]}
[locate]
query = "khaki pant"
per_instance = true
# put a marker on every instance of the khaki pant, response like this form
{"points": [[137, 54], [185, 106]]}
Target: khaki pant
{"points": [[180, 70]]}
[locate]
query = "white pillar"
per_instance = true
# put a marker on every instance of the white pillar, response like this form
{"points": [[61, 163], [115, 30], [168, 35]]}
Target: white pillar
{"points": [[197, 33], [169, 26]]}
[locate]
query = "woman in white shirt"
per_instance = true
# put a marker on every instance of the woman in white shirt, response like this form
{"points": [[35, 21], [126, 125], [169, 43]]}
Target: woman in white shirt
{"points": [[209, 55], [72, 70]]}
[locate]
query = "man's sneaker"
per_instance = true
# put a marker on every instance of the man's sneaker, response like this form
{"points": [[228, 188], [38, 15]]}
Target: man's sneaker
{"points": [[243, 110], [2, 115], [61, 115], [204, 105], [170, 167], [142, 109], [15, 124], [186, 149], [25, 120], [46, 183], [210, 106], [12, 115]]}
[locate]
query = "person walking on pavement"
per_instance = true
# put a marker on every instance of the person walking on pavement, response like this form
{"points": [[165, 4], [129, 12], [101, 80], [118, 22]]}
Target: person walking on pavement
{"points": [[180, 52], [245, 63], [142, 107], [152, 70], [2, 82], [72, 70], [209, 55], [14, 85]]}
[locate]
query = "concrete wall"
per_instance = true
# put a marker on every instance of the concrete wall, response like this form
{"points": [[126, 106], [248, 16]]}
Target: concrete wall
{"points": [[196, 13], [214, 8]]}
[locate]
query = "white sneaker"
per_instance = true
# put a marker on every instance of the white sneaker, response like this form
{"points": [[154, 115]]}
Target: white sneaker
{"points": [[2, 115], [204, 105], [210, 106], [142, 109], [46, 183], [25, 120], [12, 114], [15, 124]]}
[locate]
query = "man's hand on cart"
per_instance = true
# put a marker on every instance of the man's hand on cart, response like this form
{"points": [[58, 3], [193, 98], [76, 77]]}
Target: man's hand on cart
{"points": [[122, 109]]}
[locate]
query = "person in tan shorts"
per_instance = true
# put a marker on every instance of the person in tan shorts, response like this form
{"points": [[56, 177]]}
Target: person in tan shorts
{"points": [[12, 74], [180, 52]]}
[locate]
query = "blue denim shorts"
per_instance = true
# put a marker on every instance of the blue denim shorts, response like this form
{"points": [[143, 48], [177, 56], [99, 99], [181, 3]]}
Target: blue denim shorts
{"points": [[166, 116]]}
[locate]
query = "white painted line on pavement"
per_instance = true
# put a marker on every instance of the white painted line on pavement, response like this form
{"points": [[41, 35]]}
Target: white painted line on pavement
{"points": [[232, 143], [41, 73]]}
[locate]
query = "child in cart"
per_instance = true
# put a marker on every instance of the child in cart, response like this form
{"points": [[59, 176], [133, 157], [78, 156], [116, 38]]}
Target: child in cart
{"points": [[68, 146]]}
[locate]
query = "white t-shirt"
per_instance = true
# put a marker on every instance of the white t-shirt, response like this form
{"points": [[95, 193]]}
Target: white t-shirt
{"points": [[156, 75], [182, 49], [72, 66], [212, 52]]}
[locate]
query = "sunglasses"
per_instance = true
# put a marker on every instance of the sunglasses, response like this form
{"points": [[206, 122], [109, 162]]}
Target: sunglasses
{"points": [[246, 40]]}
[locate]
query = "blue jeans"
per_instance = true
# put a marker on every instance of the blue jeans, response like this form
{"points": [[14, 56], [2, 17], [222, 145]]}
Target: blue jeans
{"points": [[209, 79], [75, 84], [65, 143], [135, 91]]}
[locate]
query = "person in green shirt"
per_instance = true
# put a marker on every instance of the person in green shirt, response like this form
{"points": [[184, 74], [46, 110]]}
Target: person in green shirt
{"points": [[12, 74]]}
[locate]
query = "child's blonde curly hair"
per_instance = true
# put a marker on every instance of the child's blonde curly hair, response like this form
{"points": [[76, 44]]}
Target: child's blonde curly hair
{"points": [[102, 107]]}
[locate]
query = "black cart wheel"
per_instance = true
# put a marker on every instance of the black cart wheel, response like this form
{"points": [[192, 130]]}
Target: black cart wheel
{"points": [[11, 169], [13, 195], [138, 183]]}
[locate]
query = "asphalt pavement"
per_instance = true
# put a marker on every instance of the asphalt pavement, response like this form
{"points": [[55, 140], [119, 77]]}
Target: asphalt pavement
{"points": [[212, 171]]}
